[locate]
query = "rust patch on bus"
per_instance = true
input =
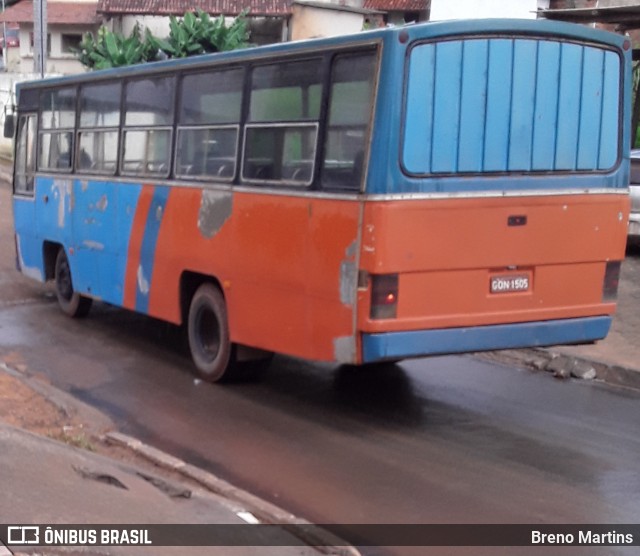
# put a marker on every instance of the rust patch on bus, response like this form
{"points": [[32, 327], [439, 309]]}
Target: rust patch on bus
{"points": [[215, 210]]}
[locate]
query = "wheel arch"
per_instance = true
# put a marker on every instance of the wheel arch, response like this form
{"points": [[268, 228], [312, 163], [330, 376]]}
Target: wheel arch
{"points": [[49, 253], [190, 281]]}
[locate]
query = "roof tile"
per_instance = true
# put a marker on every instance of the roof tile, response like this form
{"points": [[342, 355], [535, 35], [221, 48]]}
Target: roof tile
{"points": [[68, 13], [233, 7]]}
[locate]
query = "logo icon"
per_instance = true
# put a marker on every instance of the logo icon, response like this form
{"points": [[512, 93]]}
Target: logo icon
{"points": [[27, 534]]}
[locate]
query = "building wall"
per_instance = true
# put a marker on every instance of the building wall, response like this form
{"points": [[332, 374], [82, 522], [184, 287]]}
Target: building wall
{"points": [[462, 9], [158, 25], [60, 60], [309, 22]]}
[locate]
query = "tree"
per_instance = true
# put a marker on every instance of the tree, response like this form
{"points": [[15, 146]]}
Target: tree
{"points": [[195, 33], [112, 50]]}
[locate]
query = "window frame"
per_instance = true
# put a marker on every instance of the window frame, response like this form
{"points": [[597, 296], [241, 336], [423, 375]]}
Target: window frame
{"points": [[323, 185], [282, 181], [206, 176], [82, 129], [146, 173], [29, 174], [57, 131], [171, 126], [323, 59]]}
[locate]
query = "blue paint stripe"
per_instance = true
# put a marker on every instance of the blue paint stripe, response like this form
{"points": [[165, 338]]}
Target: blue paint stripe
{"points": [[418, 343], [148, 249]]}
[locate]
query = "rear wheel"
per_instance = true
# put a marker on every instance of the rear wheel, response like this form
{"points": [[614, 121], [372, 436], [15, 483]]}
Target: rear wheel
{"points": [[208, 332], [70, 301]]}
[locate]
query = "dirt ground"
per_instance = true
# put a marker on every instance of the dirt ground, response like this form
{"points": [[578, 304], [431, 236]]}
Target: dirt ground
{"points": [[30, 403], [26, 404]]}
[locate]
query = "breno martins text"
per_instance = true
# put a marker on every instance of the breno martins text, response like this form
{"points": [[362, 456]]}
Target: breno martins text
{"points": [[583, 537]]}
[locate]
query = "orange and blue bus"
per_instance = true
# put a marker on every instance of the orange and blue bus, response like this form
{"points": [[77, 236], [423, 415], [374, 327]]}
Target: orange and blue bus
{"points": [[430, 189]]}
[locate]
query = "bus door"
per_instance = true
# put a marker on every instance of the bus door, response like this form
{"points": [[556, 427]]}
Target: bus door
{"points": [[28, 251]]}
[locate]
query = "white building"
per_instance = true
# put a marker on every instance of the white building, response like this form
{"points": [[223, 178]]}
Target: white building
{"points": [[479, 9]]}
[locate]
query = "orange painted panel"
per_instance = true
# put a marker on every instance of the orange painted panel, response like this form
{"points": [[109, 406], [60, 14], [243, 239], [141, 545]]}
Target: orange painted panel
{"points": [[465, 233], [446, 251], [280, 260]]}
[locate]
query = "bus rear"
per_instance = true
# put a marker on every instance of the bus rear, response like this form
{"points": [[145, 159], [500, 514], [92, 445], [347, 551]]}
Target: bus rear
{"points": [[500, 221]]}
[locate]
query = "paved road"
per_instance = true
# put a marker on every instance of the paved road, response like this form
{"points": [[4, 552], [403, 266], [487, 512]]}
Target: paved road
{"points": [[441, 440]]}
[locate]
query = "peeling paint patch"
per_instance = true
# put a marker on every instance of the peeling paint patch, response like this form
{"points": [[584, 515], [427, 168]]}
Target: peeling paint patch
{"points": [[96, 246], [352, 250], [215, 210], [61, 191], [348, 282], [344, 349], [349, 276], [143, 283], [369, 239], [102, 204]]}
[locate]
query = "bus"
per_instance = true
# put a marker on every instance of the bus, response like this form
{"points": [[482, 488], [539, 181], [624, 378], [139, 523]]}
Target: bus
{"points": [[438, 188]]}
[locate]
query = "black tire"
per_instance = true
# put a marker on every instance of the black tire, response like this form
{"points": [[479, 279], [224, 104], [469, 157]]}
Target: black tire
{"points": [[70, 301], [208, 332]]}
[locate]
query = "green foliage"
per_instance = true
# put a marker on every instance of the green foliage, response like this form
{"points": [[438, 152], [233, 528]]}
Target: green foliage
{"points": [[112, 50], [196, 33]]}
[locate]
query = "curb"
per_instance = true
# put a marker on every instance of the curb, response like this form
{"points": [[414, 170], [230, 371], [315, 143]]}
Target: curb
{"points": [[264, 511], [564, 366]]}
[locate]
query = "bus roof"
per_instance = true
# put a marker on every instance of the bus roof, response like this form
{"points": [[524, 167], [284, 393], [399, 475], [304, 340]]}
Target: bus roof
{"points": [[405, 34]]}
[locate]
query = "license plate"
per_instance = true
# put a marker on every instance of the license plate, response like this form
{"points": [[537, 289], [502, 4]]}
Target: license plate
{"points": [[508, 283]]}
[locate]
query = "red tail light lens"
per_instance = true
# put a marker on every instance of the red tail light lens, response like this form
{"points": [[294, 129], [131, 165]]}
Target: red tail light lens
{"points": [[384, 296], [611, 281]]}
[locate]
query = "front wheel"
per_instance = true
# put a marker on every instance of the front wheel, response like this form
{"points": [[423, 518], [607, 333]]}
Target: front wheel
{"points": [[70, 301], [208, 332]]}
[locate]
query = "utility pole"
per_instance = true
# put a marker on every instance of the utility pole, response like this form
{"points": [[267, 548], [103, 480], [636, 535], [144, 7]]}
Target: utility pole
{"points": [[40, 37]]}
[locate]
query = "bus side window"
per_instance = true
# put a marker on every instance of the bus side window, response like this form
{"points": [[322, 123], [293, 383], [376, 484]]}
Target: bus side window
{"points": [[148, 126], [57, 123], [350, 109], [281, 134], [98, 137], [208, 124], [25, 155]]}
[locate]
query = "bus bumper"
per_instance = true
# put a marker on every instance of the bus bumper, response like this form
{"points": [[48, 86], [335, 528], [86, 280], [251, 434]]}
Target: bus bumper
{"points": [[418, 343]]}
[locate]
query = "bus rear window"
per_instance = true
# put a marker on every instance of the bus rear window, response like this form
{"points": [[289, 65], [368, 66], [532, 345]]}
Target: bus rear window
{"points": [[501, 105]]}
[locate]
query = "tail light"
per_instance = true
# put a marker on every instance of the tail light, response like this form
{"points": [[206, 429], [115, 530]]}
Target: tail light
{"points": [[384, 296], [611, 281]]}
